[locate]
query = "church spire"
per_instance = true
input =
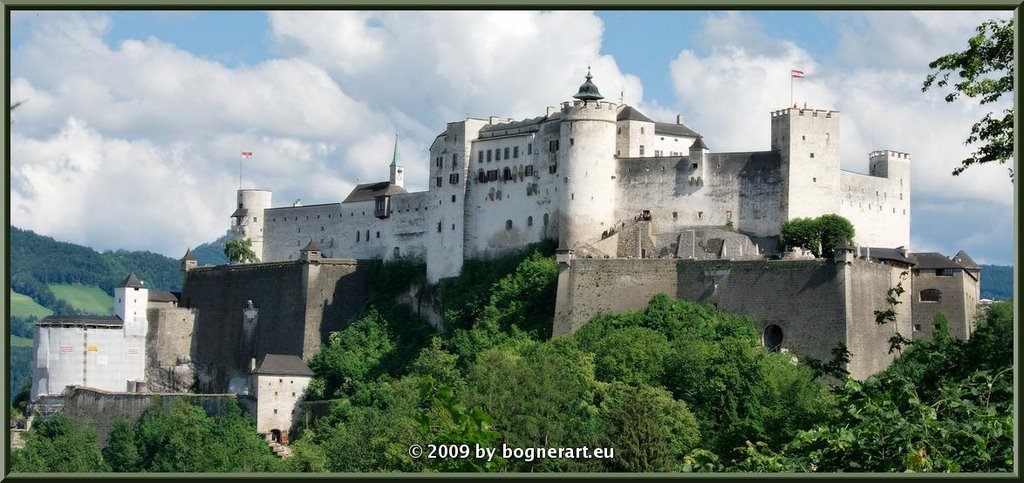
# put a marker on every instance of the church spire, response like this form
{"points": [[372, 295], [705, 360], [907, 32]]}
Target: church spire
{"points": [[396, 160], [397, 171]]}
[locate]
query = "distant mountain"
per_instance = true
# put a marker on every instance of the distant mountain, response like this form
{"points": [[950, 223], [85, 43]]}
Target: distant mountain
{"points": [[37, 261], [996, 282], [211, 253]]}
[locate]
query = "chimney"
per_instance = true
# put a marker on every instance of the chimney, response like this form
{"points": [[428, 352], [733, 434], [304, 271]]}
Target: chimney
{"points": [[551, 110], [252, 365], [679, 118], [494, 120]]}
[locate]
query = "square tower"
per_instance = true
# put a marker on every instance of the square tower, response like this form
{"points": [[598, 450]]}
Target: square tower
{"points": [[808, 144]]}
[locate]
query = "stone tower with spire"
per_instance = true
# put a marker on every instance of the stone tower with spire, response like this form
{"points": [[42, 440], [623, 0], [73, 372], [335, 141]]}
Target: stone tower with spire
{"points": [[397, 171]]}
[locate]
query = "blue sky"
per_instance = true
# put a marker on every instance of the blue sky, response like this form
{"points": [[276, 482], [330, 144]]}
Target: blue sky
{"points": [[154, 106]]}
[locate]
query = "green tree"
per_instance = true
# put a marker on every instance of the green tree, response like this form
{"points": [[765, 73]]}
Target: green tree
{"points": [[820, 235], [56, 444], [460, 425], [984, 70], [240, 251], [633, 355], [353, 355], [122, 451], [649, 430]]}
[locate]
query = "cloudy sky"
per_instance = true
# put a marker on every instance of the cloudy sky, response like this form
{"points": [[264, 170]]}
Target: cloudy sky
{"points": [[132, 125]]}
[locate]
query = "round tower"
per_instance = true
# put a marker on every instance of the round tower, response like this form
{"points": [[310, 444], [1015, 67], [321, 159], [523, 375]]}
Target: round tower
{"points": [[587, 151], [248, 217]]}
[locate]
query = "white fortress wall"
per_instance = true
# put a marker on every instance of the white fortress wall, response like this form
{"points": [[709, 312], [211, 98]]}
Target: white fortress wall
{"points": [[878, 209], [96, 357]]}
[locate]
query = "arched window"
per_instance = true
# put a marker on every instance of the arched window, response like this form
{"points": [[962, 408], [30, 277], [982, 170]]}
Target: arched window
{"points": [[508, 224], [529, 221], [545, 219], [931, 295], [772, 338]]}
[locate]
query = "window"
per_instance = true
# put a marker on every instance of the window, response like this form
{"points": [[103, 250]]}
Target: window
{"points": [[437, 181], [508, 224], [437, 161], [553, 168], [358, 234], [492, 175], [812, 155], [657, 153], [553, 145], [480, 156], [497, 154], [481, 176], [453, 198], [814, 180], [488, 155], [453, 226], [453, 178], [944, 272], [618, 130], [515, 152], [529, 221], [506, 174], [728, 215], [506, 152], [572, 141], [700, 215], [378, 234], [675, 215], [641, 149], [528, 170], [529, 148], [439, 227], [545, 219], [641, 130], [917, 327], [931, 295]]}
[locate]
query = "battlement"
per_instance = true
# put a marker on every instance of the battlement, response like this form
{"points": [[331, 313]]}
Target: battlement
{"points": [[589, 110], [567, 105], [886, 153], [826, 113]]}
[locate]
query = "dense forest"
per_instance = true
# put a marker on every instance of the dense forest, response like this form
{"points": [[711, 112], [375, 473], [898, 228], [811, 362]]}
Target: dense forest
{"points": [[677, 386], [996, 282]]}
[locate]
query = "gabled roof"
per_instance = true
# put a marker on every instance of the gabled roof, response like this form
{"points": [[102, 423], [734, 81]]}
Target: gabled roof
{"points": [[674, 129], [81, 321], [132, 281], [241, 212], [894, 254], [312, 246], [162, 296], [283, 365], [188, 255], [628, 113], [699, 143], [966, 261], [367, 191], [932, 260]]}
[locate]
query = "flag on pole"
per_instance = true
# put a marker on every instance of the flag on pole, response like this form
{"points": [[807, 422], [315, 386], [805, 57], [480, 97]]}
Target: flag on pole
{"points": [[798, 74], [246, 154]]}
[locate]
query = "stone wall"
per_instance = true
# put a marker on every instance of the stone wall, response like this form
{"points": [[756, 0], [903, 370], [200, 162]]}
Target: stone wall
{"points": [[100, 409], [298, 305], [169, 347], [958, 302], [816, 303]]}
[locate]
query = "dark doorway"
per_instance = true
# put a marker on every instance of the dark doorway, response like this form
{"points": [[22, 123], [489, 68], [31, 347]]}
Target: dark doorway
{"points": [[773, 338], [275, 435]]}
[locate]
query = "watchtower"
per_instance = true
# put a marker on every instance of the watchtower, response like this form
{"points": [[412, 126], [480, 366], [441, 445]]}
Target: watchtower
{"points": [[248, 217], [587, 146], [807, 141]]}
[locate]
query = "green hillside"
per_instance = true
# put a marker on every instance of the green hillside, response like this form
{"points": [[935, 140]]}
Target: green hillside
{"points": [[20, 341], [85, 299], [24, 306], [996, 282]]}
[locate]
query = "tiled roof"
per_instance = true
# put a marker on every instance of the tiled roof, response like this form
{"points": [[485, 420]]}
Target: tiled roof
{"points": [[283, 365]]}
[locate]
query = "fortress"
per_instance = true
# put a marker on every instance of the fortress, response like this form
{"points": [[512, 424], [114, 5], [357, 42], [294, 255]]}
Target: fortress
{"points": [[638, 207]]}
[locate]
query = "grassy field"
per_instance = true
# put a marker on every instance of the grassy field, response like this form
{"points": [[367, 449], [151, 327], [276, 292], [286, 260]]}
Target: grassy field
{"points": [[23, 306], [91, 300], [20, 341]]}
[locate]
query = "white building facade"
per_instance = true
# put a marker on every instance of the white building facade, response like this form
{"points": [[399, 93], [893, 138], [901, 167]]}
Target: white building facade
{"points": [[580, 173]]}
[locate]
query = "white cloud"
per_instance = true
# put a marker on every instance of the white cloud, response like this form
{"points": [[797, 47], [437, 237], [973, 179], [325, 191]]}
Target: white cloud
{"points": [[874, 79], [163, 127]]}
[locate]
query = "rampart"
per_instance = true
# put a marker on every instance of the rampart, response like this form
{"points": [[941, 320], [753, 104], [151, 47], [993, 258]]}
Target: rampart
{"points": [[298, 304], [100, 409], [817, 304]]}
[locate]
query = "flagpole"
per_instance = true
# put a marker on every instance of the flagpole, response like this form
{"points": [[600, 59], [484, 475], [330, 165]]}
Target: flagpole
{"points": [[791, 87], [240, 172]]}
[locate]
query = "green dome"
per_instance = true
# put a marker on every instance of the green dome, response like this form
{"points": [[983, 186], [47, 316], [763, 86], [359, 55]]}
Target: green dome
{"points": [[588, 91]]}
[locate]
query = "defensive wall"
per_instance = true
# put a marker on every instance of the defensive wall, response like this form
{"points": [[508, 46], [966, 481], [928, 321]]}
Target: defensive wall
{"points": [[817, 304], [101, 409], [298, 303]]}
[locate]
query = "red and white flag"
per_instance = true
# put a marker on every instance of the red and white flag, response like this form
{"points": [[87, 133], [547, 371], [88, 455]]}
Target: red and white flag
{"points": [[248, 154], [799, 74]]}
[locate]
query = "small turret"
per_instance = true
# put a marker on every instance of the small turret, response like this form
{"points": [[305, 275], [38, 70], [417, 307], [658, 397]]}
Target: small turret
{"points": [[188, 262], [698, 160], [131, 299], [311, 252]]}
